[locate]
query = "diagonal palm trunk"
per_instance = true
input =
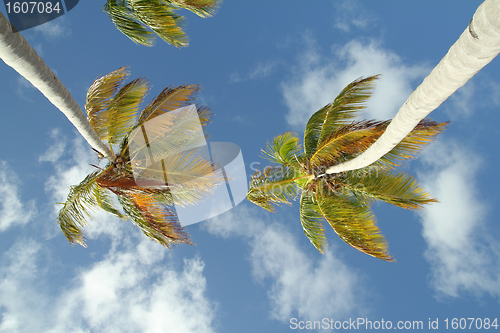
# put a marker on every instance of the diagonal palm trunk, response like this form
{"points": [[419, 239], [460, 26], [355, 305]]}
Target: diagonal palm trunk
{"points": [[476, 47], [16, 52]]}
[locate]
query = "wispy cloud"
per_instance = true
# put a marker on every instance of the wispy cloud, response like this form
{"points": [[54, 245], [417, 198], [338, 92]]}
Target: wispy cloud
{"points": [[13, 212], [259, 71], [54, 29], [129, 291], [318, 79], [350, 15], [463, 257], [300, 285]]}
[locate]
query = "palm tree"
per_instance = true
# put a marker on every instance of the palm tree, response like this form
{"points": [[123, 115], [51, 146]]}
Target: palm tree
{"points": [[111, 119], [147, 179], [476, 47], [16, 52], [135, 18], [343, 199]]}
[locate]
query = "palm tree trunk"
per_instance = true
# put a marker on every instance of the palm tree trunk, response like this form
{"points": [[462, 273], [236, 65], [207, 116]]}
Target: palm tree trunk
{"points": [[16, 52], [476, 47]]}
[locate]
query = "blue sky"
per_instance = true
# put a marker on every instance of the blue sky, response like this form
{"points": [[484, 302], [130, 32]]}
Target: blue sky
{"points": [[264, 68]]}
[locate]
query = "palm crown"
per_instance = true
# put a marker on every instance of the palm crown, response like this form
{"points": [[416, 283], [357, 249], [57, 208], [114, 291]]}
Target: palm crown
{"points": [[332, 135], [135, 18], [170, 172]]}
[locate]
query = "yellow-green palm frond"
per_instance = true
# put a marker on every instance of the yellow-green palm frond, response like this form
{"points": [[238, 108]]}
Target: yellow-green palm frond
{"points": [[355, 224], [123, 110], [396, 188], [202, 8], [112, 111], [347, 142], [126, 21], [81, 202], [285, 150], [170, 99], [156, 15], [342, 111], [274, 185], [422, 135], [101, 91], [157, 221], [312, 221]]}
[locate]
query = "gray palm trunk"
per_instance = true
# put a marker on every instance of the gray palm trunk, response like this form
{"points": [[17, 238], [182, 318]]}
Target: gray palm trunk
{"points": [[476, 47], [16, 52]]}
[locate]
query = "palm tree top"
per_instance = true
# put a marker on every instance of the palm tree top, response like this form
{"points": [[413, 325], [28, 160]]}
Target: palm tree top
{"points": [[141, 20], [154, 168], [333, 135]]}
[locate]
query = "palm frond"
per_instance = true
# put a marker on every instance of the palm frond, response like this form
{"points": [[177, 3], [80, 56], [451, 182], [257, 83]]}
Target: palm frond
{"points": [[312, 221], [274, 185], [103, 199], [422, 135], [170, 99], [156, 221], [396, 188], [122, 112], [342, 111], [354, 223], [161, 19], [127, 22], [347, 142], [202, 8], [79, 205], [100, 93], [284, 150]]}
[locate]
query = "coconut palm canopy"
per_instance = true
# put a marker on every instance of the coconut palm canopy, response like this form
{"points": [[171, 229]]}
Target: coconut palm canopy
{"points": [[142, 20], [332, 135], [146, 197]]}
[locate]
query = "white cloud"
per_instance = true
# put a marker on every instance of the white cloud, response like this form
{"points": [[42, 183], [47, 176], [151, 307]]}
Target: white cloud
{"points": [[462, 254], [54, 153], [13, 211], [128, 291], [300, 285], [350, 15], [318, 79], [54, 29]]}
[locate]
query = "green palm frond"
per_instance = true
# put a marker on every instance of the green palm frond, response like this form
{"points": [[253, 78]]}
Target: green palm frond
{"points": [[312, 221], [126, 21], [285, 150], [202, 8], [79, 205], [342, 111], [139, 19], [422, 135], [347, 142], [393, 187], [156, 221], [103, 199], [354, 223], [274, 185]]}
